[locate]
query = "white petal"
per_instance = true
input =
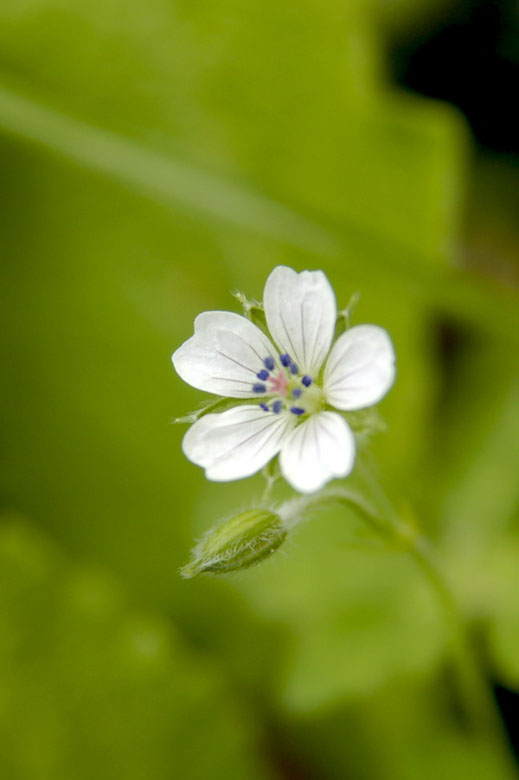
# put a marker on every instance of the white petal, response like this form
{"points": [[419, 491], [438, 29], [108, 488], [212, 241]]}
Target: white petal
{"points": [[235, 443], [319, 449], [301, 313], [360, 369], [224, 355]]}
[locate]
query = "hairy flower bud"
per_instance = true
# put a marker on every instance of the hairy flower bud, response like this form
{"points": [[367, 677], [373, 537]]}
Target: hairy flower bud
{"points": [[238, 543]]}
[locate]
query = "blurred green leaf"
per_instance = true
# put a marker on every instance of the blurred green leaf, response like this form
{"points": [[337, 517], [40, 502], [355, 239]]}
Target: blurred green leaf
{"points": [[323, 158], [481, 529], [400, 732], [92, 686]]}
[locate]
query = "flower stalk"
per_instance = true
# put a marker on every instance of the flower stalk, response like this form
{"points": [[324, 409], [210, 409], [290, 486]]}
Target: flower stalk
{"points": [[474, 690]]}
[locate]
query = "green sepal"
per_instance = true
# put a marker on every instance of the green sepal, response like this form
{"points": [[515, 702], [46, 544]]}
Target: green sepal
{"points": [[365, 423], [210, 406], [253, 310], [344, 316]]}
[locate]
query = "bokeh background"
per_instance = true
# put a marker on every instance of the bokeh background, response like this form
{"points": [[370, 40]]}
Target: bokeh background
{"points": [[155, 156]]}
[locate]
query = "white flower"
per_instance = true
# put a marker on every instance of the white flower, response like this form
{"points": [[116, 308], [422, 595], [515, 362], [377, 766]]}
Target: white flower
{"points": [[230, 356]]}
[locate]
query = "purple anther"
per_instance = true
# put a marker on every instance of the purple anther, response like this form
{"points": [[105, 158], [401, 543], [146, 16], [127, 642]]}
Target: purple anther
{"points": [[263, 374], [294, 369], [269, 363], [259, 388], [285, 360], [297, 410], [306, 380], [264, 407], [277, 406], [297, 392]]}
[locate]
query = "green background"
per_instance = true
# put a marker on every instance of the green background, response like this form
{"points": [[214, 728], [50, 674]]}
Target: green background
{"points": [[154, 157]]}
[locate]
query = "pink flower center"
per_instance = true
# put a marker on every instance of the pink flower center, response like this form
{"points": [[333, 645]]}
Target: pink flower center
{"points": [[285, 383], [279, 384]]}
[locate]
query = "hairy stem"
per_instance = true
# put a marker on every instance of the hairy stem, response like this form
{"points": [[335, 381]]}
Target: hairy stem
{"points": [[479, 703]]}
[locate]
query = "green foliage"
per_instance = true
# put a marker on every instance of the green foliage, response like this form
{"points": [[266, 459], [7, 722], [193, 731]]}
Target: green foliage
{"points": [[93, 686], [154, 158]]}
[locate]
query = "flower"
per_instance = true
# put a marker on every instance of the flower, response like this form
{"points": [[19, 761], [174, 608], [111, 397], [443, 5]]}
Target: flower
{"points": [[290, 415]]}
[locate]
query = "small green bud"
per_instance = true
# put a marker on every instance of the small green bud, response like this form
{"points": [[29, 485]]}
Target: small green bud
{"points": [[235, 544]]}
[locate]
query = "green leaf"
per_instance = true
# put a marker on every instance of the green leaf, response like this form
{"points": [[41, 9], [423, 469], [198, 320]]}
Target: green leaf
{"points": [[403, 731], [480, 512], [92, 685]]}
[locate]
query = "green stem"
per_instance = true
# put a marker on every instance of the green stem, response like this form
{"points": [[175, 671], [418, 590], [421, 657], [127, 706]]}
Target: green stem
{"points": [[480, 702], [271, 476], [480, 705]]}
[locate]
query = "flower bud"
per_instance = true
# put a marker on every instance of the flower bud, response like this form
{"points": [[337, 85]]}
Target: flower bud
{"points": [[238, 543]]}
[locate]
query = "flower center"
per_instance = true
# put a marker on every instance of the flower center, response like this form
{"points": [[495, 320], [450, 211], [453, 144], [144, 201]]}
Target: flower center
{"points": [[288, 390]]}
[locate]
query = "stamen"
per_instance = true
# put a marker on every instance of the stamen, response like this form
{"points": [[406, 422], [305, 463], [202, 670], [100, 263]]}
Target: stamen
{"points": [[294, 369], [259, 388], [297, 410], [269, 363], [297, 392], [264, 407], [277, 406], [306, 380], [285, 360], [263, 374]]}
